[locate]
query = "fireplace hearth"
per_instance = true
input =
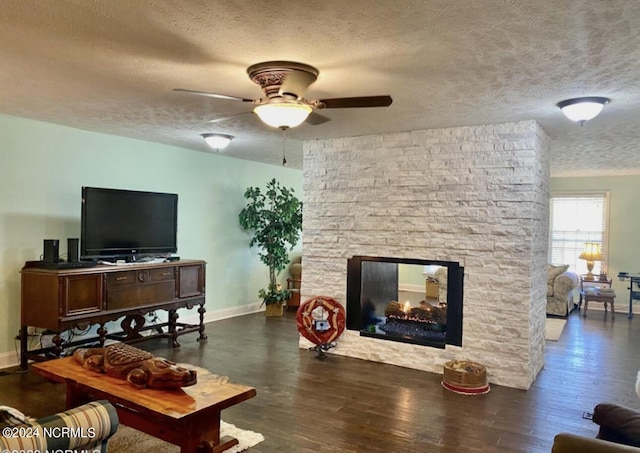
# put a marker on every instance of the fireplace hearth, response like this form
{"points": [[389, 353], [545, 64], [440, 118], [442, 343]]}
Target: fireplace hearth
{"points": [[394, 299]]}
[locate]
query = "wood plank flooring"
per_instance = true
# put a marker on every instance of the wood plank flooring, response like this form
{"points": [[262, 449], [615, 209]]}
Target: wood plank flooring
{"points": [[349, 405]]}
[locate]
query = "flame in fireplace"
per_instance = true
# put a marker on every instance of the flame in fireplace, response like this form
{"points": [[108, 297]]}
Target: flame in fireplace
{"points": [[407, 307]]}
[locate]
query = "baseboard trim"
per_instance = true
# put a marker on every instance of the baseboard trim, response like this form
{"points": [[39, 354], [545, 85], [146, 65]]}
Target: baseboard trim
{"points": [[411, 288], [8, 360], [224, 313]]}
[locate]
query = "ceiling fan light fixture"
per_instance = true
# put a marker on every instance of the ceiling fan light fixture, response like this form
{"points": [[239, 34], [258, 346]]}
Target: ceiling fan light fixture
{"points": [[217, 141], [583, 109], [283, 115]]}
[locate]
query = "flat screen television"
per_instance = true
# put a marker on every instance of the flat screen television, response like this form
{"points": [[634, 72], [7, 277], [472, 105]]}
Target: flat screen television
{"points": [[127, 224]]}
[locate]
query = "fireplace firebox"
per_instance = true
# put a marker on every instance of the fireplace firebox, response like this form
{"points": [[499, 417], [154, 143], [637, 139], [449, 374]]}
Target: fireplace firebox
{"points": [[407, 300]]}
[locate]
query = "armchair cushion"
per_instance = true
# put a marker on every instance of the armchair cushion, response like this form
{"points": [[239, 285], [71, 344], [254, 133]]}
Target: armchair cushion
{"points": [[571, 443], [87, 427], [618, 424]]}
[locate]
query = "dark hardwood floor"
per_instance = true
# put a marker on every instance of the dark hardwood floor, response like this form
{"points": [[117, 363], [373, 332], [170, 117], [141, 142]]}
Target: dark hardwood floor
{"points": [[348, 405]]}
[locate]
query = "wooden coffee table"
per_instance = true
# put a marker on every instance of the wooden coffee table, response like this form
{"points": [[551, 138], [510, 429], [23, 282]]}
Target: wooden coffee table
{"points": [[188, 417]]}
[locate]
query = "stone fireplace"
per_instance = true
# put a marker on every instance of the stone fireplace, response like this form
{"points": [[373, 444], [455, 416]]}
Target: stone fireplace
{"points": [[475, 196], [383, 303]]}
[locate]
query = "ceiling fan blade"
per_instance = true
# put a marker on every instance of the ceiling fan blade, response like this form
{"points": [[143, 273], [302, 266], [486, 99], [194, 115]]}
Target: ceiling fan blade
{"points": [[295, 84], [315, 118], [212, 95], [345, 103], [225, 118]]}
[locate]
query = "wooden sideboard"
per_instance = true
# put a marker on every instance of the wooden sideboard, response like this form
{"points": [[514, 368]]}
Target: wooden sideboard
{"points": [[59, 300]]}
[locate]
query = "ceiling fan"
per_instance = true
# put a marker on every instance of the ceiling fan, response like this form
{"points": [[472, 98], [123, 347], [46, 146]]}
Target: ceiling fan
{"points": [[284, 84]]}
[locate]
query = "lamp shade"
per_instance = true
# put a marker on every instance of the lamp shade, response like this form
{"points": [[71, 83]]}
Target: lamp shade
{"points": [[283, 115], [583, 109], [217, 141], [591, 252]]}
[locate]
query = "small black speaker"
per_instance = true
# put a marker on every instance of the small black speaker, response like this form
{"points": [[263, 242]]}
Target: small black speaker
{"points": [[51, 251], [73, 250]]}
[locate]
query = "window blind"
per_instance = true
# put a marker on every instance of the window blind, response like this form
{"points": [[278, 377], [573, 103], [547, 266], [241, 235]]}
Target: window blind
{"points": [[574, 220]]}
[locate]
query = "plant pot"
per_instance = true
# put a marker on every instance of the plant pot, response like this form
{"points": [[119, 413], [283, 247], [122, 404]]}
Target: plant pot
{"points": [[274, 310]]}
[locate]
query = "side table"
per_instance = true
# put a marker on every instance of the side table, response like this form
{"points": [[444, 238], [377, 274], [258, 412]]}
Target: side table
{"points": [[601, 281], [604, 295]]}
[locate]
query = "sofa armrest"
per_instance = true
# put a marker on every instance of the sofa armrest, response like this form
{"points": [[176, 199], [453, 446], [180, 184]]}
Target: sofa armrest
{"points": [[565, 282], [85, 427], [570, 443]]}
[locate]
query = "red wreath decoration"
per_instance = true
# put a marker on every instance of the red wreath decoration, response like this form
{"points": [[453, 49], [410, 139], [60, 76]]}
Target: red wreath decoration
{"points": [[307, 327]]}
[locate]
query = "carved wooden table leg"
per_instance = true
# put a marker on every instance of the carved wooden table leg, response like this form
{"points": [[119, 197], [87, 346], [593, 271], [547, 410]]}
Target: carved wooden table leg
{"points": [[75, 396], [102, 334], [203, 336], [133, 332], [613, 309], [24, 348], [57, 344], [173, 331]]}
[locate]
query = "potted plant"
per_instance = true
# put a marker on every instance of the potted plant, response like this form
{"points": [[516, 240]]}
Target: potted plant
{"points": [[275, 219]]}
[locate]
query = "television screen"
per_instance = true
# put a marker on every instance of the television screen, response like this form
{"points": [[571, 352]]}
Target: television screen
{"points": [[126, 223]]}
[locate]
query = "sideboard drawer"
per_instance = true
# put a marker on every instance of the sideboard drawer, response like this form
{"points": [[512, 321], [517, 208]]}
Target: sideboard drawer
{"points": [[163, 274], [141, 294], [127, 278], [116, 279]]}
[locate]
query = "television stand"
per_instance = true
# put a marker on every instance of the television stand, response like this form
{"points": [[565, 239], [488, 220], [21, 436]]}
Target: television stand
{"points": [[63, 299]]}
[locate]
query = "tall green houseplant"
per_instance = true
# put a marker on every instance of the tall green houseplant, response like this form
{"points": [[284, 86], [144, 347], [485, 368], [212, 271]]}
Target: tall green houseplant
{"points": [[275, 219]]}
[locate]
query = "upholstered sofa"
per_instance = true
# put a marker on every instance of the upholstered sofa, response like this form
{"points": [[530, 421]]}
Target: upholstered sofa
{"points": [[89, 428], [560, 285], [571, 443], [619, 432]]}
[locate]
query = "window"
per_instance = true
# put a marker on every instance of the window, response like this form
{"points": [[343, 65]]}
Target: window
{"points": [[576, 218]]}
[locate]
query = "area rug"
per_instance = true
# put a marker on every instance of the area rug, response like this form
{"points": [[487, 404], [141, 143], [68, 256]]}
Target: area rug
{"points": [[554, 328], [129, 440]]}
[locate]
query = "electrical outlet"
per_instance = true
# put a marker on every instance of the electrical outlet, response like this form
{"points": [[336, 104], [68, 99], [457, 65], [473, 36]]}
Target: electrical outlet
{"points": [[31, 330]]}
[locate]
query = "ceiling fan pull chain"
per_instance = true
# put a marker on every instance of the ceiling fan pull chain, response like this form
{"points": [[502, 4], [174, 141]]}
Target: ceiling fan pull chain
{"points": [[284, 145]]}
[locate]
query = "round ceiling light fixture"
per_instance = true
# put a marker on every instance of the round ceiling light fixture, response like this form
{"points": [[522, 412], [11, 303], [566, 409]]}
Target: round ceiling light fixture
{"points": [[583, 109], [283, 115], [217, 141]]}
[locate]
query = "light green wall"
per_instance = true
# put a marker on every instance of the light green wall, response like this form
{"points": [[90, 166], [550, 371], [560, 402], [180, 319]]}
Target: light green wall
{"points": [[43, 167], [624, 222], [411, 274]]}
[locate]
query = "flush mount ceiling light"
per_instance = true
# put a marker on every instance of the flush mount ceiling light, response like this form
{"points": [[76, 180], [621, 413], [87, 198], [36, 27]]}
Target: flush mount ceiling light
{"points": [[583, 109], [217, 141], [283, 115]]}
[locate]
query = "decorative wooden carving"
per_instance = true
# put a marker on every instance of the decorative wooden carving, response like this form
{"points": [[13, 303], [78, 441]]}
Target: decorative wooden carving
{"points": [[139, 368]]}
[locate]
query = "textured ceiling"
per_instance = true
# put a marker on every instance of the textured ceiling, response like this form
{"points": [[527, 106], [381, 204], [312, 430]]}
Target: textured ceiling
{"points": [[110, 66]]}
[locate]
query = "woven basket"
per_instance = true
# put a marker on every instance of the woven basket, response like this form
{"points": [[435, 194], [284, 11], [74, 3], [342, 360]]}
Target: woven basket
{"points": [[465, 374]]}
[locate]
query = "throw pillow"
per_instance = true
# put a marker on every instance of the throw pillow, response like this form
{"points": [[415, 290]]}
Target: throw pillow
{"points": [[618, 424], [552, 273]]}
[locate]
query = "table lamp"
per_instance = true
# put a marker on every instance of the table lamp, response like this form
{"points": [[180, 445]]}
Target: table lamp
{"points": [[591, 253]]}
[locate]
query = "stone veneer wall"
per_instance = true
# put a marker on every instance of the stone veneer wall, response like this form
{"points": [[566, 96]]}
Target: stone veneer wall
{"points": [[477, 195]]}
